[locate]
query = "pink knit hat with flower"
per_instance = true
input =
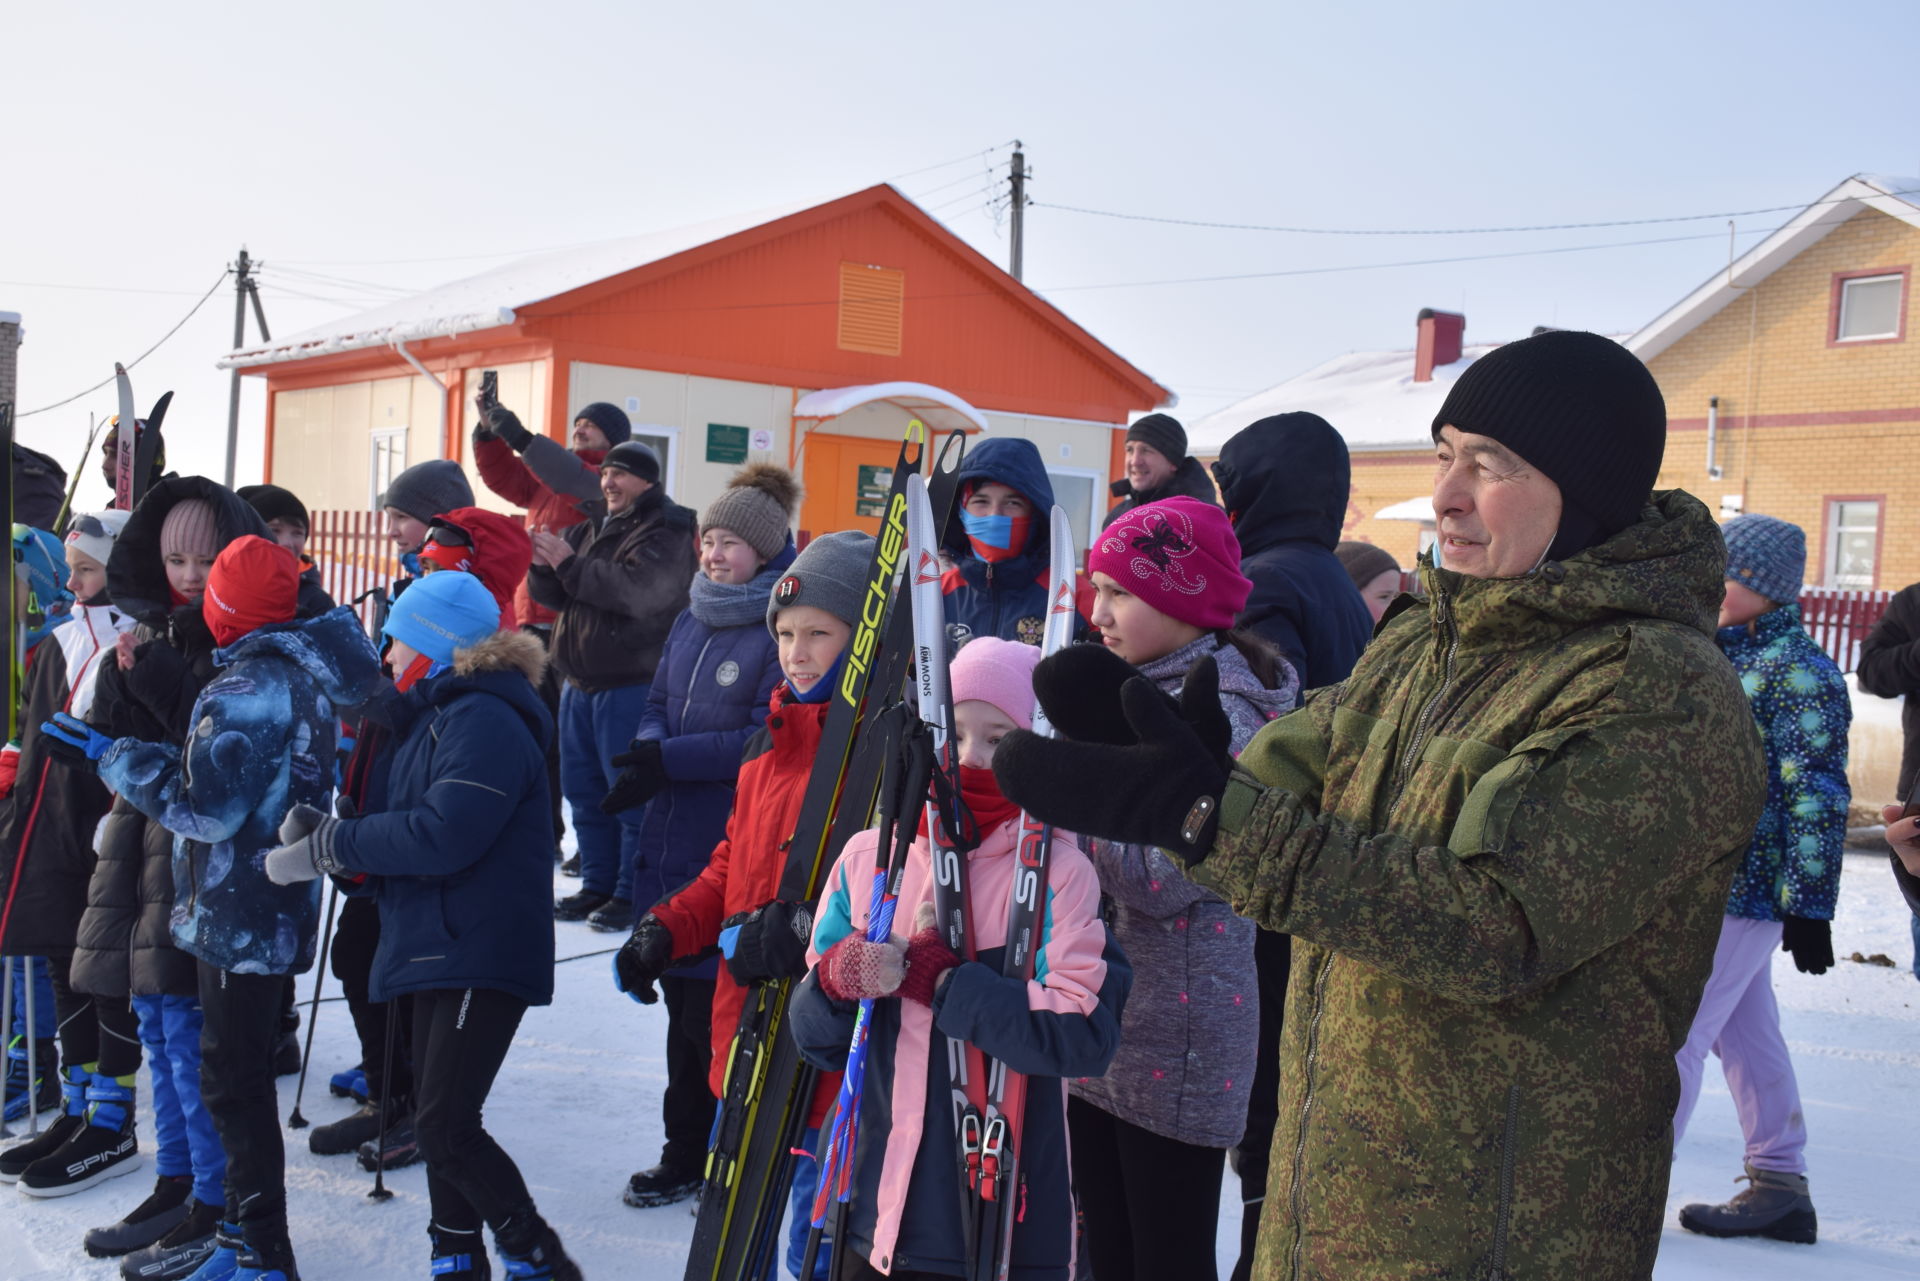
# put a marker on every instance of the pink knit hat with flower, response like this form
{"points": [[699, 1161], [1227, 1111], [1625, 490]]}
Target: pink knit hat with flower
{"points": [[999, 672], [1180, 556]]}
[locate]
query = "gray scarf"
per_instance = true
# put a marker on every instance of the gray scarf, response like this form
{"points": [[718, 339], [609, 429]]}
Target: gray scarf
{"points": [[732, 604]]}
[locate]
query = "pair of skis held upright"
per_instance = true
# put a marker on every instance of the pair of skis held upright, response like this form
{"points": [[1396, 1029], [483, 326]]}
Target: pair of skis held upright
{"points": [[989, 1101]]}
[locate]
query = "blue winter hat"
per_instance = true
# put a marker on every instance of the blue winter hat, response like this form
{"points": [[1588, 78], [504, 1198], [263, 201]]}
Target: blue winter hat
{"points": [[40, 561], [443, 612], [1766, 555]]}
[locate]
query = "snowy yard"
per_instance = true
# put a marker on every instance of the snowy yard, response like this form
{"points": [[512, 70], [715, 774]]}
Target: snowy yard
{"points": [[578, 1106]]}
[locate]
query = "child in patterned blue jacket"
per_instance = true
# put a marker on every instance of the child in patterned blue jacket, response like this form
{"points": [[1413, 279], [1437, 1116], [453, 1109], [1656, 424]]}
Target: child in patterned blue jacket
{"points": [[1784, 889]]}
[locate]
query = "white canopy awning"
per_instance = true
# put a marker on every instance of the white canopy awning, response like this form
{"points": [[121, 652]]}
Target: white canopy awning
{"points": [[941, 411], [1411, 509]]}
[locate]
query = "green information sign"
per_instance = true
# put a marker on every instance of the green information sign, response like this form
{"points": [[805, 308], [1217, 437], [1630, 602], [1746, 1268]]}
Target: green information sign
{"points": [[871, 489], [726, 444]]}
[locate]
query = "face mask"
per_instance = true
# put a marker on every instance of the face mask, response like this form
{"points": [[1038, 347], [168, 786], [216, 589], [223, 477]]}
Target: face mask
{"points": [[996, 538]]}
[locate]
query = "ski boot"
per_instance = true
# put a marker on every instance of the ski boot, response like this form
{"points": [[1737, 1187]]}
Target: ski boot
{"points": [[615, 915], [579, 906], [103, 1148], [662, 1185], [267, 1263], [19, 1092], [72, 1119], [180, 1252], [339, 1138], [223, 1261], [350, 1084], [530, 1251], [402, 1149], [1774, 1205], [459, 1256], [147, 1222]]}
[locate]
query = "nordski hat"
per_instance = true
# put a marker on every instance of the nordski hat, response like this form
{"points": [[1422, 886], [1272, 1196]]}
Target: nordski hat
{"points": [[443, 612]]}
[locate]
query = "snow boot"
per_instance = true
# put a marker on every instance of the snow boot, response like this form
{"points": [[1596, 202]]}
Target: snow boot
{"points": [[223, 1260], [662, 1185], [570, 866], [286, 1054], [147, 1222], [459, 1256], [103, 1148], [403, 1149], [182, 1250], [47, 1069], [343, 1137], [616, 914], [530, 1251], [581, 905], [72, 1119], [1774, 1205], [350, 1084]]}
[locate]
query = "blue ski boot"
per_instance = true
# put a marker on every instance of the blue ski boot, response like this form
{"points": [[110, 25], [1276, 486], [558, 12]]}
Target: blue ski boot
{"points": [[350, 1084], [225, 1259], [20, 1091], [459, 1256]]}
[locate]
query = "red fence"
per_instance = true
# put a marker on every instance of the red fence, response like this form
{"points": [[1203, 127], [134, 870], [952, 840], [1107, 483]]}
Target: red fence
{"points": [[355, 557], [1839, 620]]}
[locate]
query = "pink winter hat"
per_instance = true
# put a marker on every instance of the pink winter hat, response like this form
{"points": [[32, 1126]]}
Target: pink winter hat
{"points": [[1180, 556], [999, 672]]}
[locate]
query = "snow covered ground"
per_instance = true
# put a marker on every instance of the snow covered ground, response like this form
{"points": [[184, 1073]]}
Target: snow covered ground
{"points": [[578, 1106]]}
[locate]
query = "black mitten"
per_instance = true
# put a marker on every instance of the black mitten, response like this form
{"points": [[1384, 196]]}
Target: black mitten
{"points": [[1079, 690], [1810, 943], [503, 423], [643, 773]]}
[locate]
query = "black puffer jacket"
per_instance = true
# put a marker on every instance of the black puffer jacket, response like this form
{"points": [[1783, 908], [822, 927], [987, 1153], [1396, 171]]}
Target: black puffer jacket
{"points": [[1285, 483], [618, 595], [125, 942], [1189, 480]]}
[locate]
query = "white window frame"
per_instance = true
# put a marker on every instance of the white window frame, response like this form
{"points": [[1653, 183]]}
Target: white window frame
{"points": [[1899, 279], [1830, 575], [375, 438], [670, 474], [1097, 509]]}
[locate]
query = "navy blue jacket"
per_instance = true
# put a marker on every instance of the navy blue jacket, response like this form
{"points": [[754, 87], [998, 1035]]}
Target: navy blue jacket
{"points": [[260, 741], [1007, 599], [1285, 482], [461, 863]]}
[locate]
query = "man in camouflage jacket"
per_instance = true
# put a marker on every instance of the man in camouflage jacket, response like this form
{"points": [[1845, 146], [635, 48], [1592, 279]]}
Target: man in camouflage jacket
{"points": [[1502, 845]]}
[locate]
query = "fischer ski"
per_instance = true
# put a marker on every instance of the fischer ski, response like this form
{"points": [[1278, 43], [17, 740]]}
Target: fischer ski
{"points": [[127, 432]]}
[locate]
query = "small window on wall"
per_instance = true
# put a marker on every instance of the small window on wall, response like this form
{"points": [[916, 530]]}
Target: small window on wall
{"points": [[386, 458], [1870, 308], [1853, 543], [1075, 491], [660, 442]]}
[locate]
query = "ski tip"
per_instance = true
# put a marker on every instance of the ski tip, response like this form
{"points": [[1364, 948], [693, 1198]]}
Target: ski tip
{"points": [[119, 370]]}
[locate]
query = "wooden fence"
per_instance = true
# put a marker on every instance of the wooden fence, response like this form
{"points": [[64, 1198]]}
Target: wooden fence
{"points": [[355, 558]]}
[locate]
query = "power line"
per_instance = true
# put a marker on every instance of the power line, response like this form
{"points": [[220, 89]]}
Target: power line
{"points": [[96, 289], [971, 155], [224, 273]]}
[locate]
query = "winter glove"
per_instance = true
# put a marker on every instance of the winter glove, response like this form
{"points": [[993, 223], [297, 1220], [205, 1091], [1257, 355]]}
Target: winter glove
{"points": [[305, 849], [642, 775], [9, 768], [503, 423], [1079, 690], [643, 958], [855, 969], [1161, 789], [74, 742], [928, 957], [1810, 942], [769, 942]]}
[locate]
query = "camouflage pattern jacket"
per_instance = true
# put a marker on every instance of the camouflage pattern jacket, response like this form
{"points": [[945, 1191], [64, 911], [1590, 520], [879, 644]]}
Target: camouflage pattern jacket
{"points": [[1503, 847]]}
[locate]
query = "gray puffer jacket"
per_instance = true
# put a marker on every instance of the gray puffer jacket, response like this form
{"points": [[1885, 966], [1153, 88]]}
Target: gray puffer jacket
{"points": [[1185, 1066]]}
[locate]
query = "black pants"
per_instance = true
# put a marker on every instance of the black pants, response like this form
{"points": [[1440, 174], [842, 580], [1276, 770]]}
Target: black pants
{"points": [[1273, 961], [687, 1107], [102, 1030], [550, 695], [242, 1023], [462, 1038], [354, 943], [1152, 1204], [858, 1269]]}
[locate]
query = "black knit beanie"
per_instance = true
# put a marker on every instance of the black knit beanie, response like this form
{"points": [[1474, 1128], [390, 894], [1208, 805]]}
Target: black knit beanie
{"points": [[610, 419], [1582, 409], [636, 458], [274, 503], [1163, 433]]}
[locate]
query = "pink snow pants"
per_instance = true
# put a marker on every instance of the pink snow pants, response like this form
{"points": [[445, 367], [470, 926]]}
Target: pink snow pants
{"points": [[1739, 1021]]}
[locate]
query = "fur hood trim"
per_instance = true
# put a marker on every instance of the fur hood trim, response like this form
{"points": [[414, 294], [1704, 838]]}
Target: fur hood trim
{"points": [[503, 652]]}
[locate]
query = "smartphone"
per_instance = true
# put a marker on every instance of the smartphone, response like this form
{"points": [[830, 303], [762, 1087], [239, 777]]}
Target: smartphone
{"points": [[489, 390], [1913, 801]]}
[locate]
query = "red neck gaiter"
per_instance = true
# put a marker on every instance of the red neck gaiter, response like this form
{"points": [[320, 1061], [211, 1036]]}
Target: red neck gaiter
{"points": [[416, 670], [982, 795]]}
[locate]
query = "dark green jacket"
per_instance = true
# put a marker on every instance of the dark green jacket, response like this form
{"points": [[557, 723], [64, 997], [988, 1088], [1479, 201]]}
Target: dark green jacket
{"points": [[1503, 847]]}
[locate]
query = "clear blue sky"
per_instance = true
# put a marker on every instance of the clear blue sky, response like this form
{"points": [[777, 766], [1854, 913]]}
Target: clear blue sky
{"points": [[146, 143]]}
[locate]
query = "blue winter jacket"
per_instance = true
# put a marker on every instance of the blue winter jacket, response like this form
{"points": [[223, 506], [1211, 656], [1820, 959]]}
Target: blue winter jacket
{"points": [[1007, 599], [1800, 702], [461, 862], [709, 697], [259, 742]]}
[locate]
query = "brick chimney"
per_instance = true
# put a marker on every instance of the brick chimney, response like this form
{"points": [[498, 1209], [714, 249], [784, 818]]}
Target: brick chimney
{"points": [[10, 334], [1439, 344]]}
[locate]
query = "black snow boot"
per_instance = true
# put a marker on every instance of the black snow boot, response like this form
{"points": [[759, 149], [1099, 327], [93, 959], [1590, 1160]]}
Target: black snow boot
{"points": [[662, 1185], [530, 1251], [180, 1252], [342, 1137], [459, 1256], [147, 1222], [613, 916], [103, 1148], [72, 1119], [570, 866], [402, 1148], [579, 906], [1774, 1205]]}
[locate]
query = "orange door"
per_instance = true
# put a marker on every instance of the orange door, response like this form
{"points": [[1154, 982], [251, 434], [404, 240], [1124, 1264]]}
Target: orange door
{"points": [[846, 479]]}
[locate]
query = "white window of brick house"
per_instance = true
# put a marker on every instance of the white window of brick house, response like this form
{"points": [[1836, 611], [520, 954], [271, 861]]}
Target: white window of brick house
{"points": [[1852, 543], [1869, 308]]}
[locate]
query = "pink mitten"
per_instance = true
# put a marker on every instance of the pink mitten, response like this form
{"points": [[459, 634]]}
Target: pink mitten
{"points": [[928, 957], [854, 969]]}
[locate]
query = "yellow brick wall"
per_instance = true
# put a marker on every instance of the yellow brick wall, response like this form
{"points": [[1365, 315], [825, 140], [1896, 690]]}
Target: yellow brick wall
{"points": [[1380, 481]]}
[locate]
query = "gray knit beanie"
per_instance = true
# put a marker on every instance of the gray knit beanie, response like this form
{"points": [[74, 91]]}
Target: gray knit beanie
{"points": [[757, 505], [830, 574], [425, 490]]}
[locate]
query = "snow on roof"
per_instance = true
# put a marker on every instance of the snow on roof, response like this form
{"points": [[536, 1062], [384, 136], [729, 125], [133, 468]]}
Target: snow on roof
{"points": [[492, 297], [1369, 397], [1894, 196]]}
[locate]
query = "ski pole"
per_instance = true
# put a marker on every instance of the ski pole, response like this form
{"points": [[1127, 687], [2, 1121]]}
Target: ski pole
{"points": [[6, 1022], [379, 1192], [296, 1121], [33, 1058]]}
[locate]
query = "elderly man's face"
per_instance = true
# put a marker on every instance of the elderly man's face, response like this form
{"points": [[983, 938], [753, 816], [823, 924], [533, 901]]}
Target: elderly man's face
{"points": [[1496, 514], [1147, 467]]}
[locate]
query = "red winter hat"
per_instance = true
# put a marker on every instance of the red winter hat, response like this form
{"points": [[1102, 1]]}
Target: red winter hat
{"points": [[1180, 556], [253, 582], [493, 548]]}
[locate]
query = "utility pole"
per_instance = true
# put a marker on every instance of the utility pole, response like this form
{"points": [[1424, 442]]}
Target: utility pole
{"points": [[1019, 181], [244, 287]]}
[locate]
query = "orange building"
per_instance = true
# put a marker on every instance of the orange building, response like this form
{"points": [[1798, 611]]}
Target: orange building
{"points": [[712, 338]]}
